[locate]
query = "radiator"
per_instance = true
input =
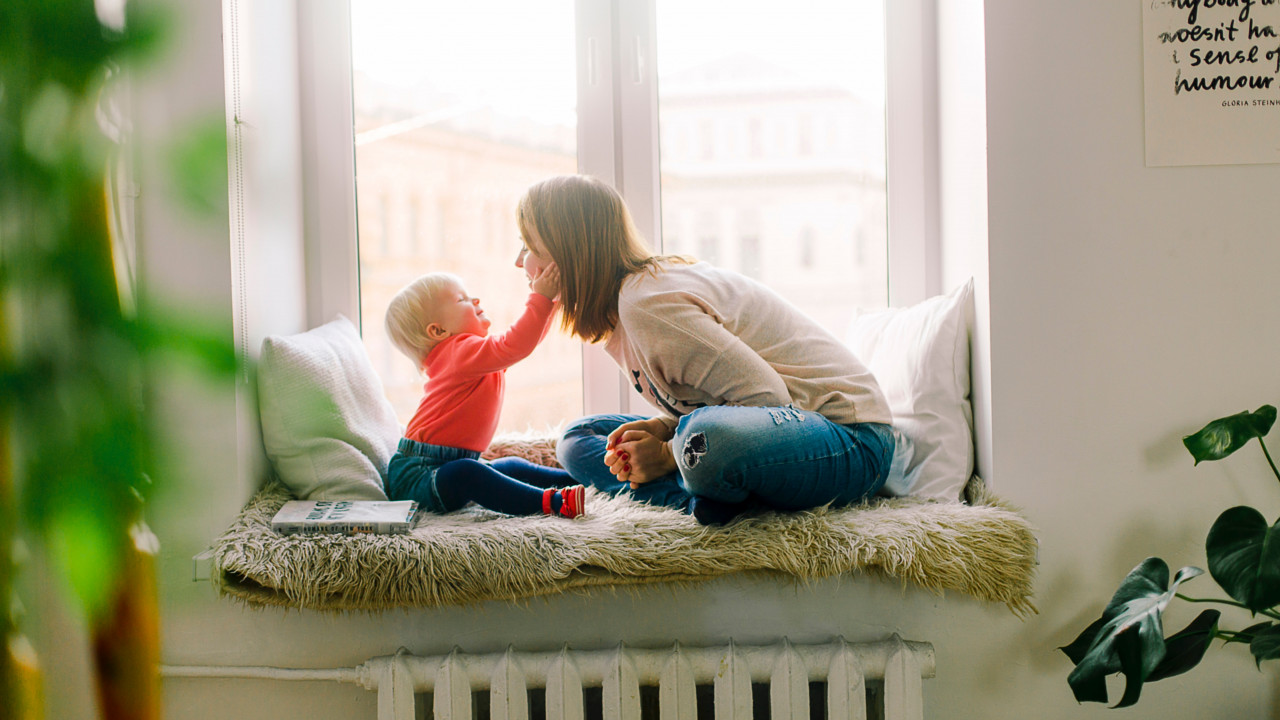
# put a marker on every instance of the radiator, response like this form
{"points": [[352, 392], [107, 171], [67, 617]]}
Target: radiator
{"points": [[624, 680]]}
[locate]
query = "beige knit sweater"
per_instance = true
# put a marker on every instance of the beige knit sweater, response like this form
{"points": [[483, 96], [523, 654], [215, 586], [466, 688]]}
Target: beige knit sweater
{"points": [[696, 335]]}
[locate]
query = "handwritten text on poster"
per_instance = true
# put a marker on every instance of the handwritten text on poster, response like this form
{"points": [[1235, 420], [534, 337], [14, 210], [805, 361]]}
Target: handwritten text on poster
{"points": [[1212, 77]]}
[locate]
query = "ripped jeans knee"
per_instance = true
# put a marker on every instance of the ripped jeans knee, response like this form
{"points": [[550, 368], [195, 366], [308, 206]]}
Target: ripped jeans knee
{"points": [[692, 449], [703, 447]]}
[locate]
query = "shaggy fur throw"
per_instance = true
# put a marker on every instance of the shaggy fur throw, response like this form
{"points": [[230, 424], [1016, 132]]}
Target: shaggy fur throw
{"points": [[984, 549]]}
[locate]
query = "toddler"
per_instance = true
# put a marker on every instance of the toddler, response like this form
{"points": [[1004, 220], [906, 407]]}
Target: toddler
{"points": [[445, 332]]}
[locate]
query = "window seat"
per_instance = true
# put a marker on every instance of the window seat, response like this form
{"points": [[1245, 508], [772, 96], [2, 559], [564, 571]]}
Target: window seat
{"points": [[329, 432], [984, 549]]}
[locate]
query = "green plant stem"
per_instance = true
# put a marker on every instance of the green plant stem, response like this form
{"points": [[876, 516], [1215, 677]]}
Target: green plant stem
{"points": [[1269, 460], [10, 694], [1269, 613]]}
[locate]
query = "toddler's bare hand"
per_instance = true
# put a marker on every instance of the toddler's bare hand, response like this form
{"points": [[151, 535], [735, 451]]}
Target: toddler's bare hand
{"points": [[547, 283]]}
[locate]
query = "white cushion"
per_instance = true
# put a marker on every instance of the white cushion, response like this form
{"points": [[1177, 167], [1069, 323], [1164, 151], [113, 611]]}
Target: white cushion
{"points": [[327, 426], [920, 356]]}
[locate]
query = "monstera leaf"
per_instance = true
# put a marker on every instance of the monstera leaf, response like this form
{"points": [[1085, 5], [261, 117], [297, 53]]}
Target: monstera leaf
{"points": [[1222, 437], [1129, 637], [1244, 557], [1184, 650]]}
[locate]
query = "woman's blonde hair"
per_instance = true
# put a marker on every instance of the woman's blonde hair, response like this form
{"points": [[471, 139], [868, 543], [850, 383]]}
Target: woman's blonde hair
{"points": [[585, 227], [412, 310]]}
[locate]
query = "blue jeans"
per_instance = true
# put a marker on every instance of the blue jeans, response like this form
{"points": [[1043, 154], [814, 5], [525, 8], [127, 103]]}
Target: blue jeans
{"points": [[765, 458], [411, 474]]}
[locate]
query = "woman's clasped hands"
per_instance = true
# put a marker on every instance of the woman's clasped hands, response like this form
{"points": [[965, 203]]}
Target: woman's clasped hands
{"points": [[638, 452]]}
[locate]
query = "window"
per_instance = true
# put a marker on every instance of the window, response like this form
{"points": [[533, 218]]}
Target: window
{"points": [[694, 109], [806, 248], [755, 138], [750, 257], [727, 65], [414, 231], [464, 105]]}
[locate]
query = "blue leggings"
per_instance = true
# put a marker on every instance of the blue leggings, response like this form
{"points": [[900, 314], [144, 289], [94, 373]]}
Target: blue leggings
{"points": [[443, 479], [732, 460], [507, 485]]}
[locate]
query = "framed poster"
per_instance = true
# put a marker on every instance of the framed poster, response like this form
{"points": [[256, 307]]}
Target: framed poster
{"points": [[1212, 80]]}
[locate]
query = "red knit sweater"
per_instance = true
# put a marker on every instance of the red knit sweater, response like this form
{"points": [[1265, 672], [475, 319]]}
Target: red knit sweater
{"points": [[466, 376]]}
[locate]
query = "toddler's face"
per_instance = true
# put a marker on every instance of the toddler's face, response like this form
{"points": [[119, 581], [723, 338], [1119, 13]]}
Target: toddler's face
{"points": [[533, 257], [459, 313]]}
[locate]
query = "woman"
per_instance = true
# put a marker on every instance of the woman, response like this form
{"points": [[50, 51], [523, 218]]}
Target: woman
{"points": [[760, 407]]}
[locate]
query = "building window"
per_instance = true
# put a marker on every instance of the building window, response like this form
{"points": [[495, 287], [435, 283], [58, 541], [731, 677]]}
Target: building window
{"points": [[709, 249], [706, 139], [751, 263], [414, 225], [808, 248], [385, 224], [804, 136]]}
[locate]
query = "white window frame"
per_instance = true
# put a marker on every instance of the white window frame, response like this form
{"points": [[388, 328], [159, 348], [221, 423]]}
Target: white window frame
{"points": [[332, 258], [617, 142], [912, 151]]}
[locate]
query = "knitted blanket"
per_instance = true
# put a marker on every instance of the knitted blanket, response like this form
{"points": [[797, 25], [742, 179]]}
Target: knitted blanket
{"points": [[984, 549]]}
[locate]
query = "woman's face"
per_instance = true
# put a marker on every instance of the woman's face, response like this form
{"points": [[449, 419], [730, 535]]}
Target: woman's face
{"points": [[533, 256]]}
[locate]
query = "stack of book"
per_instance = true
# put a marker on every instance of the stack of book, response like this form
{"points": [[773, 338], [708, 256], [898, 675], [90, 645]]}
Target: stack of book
{"points": [[345, 517]]}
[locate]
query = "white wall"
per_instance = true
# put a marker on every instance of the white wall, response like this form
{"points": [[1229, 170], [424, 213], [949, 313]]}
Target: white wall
{"points": [[1127, 306]]}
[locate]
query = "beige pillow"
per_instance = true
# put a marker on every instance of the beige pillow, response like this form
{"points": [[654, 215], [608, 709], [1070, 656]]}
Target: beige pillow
{"points": [[328, 428], [920, 356]]}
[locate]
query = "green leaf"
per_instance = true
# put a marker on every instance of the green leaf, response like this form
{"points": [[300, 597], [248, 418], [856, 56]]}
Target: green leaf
{"points": [[1134, 663], [198, 166], [1246, 635], [188, 336], [1184, 650], [1131, 638], [1078, 647], [1244, 557], [1266, 644], [87, 548], [1226, 435]]}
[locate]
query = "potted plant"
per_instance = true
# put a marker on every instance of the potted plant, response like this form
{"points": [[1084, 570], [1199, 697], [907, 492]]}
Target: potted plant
{"points": [[1243, 553], [78, 445]]}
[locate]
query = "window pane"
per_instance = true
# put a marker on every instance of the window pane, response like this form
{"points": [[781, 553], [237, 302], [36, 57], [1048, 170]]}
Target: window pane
{"points": [[771, 121], [459, 107]]}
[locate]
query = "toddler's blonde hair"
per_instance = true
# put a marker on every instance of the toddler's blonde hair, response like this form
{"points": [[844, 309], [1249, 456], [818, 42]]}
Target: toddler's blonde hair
{"points": [[412, 310]]}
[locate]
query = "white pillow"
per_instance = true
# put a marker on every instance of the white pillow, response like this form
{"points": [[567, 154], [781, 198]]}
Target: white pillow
{"points": [[920, 356], [327, 426]]}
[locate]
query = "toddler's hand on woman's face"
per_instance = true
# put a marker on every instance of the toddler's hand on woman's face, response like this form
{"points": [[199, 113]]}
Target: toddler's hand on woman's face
{"points": [[547, 282]]}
